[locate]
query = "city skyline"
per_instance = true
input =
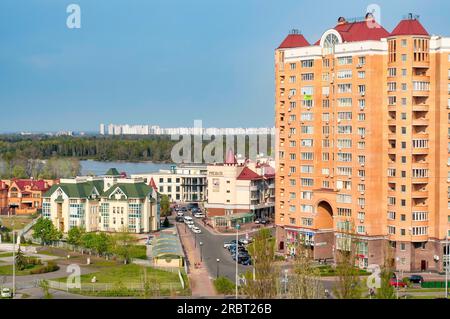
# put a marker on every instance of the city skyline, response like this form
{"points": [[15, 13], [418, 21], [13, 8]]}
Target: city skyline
{"points": [[124, 70]]}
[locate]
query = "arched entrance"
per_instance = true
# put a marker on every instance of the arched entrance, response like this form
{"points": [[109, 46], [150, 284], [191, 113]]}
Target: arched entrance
{"points": [[324, 219]]}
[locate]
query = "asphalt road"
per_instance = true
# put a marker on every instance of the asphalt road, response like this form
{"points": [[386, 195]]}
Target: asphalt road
{"points": [[212, 249]]}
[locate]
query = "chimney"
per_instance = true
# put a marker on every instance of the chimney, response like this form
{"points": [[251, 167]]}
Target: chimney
{"points": [[341, 20]]}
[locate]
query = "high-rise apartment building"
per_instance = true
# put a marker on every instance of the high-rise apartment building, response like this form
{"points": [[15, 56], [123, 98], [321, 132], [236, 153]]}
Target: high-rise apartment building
{"points": [[362, 119]]}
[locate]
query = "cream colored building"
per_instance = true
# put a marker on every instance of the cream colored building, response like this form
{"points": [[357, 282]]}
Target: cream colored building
{"points": [[106, 203], [241, 187], [182, 183]]}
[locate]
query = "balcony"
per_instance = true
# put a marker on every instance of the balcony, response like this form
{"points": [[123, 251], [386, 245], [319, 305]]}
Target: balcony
{"points": [[417, 93], [422, 121], [420, 194], [421, 64], [420, 107], [419, 151]]}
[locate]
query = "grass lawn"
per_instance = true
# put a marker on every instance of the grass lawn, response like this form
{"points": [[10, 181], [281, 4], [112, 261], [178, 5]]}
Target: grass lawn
{"points": [[5, 254], [19, 221], [110, 272], [8, 270], [328, 271], [418, 290], [141, 252]]}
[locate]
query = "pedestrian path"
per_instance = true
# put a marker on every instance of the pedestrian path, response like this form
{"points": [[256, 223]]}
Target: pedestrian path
{"points": [[199, 277]]}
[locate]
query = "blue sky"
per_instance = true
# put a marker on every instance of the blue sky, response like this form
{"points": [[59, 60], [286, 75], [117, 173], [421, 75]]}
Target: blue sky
{"points": [[164, 62]]}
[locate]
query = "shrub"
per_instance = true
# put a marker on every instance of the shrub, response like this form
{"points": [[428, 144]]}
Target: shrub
{"points": [[224, 285], [50, 267]]}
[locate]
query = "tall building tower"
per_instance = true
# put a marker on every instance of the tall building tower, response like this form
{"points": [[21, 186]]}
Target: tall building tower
{"points": [[102, 129], [362, 120]]}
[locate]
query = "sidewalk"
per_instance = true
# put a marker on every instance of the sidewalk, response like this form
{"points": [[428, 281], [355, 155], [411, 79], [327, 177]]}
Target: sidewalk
{"points": [[201, 283], [210, 229]]}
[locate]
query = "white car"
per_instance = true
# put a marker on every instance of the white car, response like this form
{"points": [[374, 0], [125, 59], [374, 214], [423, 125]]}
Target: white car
{"points": [[199, 215], [6, 293], [187, 219], [180, 214], [196, 230], [191, 225]]}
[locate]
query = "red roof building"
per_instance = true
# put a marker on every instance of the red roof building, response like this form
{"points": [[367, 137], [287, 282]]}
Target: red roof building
{"points": [[248, 175], [410, 26], [294, 40]]}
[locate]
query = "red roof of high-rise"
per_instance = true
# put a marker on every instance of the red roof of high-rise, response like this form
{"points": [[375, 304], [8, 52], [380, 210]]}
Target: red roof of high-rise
{"points": [[294, 41], [35, 185], [361, 31], [409, 27]]}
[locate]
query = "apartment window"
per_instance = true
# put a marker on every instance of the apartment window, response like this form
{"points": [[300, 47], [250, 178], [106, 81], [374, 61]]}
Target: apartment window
{"points": [[292, 221], [307, 182], [345, 60], [292, 182], [306, 116], [392, 100], [347, 212], [325, 143], [361, 74], [344, 129], [361, 229], [392, 86], [420, 173], [392, 72], [325, 157], [420, 231], [362, 60], [361, 116], [345, 88], [306, 142], [305, 129], [292, 208], [293, 105], [420, 143], [421, 86], [403, 145], [362, 104], [420, 216], [325, 171], [292, 195], [404, 87], [403, 159], [307, 169], [307, 63], [292, 169], [325, 76], [345, 116], [361, 131], [292, 131], [292, 156], [391, 215], [307, 221], [307, 156], [403, 188], [326, 63], [361, 159], [403, 116], [325, 117], [391, 201], [292, 79], [292, 143], [343, 102], [306, 208], [391, 172], [404, 72], [325, 104], [344, 74], [391, 230], [344, 171], [307, 90], [325, 184], [308, 103], [344, 157], [293, 66], [361, 89], [404, 101], [308, 77], [306, 195], [343, 199], [344, 143], [404, 57], [361, 145], [403, 203]]}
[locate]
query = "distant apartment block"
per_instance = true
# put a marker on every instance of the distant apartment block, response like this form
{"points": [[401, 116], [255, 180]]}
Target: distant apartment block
{"points": [[114, 129], [182, 183], [106, 203], [363, 117]]}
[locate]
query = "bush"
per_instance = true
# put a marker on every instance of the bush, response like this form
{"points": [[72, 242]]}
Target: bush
{"points": [[50, 267], [224, 285]]}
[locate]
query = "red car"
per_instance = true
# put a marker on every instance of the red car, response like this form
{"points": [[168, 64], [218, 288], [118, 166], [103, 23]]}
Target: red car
{"points": [[397, 284]]}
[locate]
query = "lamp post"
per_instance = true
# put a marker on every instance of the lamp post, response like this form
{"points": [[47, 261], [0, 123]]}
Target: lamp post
{"points": [[447, 263], [195, 240], [237, 257], [14, 255], [218, 261], [201, 252]]}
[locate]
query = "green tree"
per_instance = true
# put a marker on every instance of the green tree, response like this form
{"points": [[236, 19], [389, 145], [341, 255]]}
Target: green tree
{"points": [[75, 235], [263, 281], [386, 291], [21, 260], [45, 286], [349, 285], [123, 245], [164, 205], [46, 231], [88, 241], [224, 286], [19, 172], [102, 243]]}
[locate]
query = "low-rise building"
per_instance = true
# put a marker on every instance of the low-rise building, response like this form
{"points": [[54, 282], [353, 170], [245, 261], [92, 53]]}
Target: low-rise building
{"points": [[105, 203], [238, 187], [3, 197], [183, 183], [25, 195]]}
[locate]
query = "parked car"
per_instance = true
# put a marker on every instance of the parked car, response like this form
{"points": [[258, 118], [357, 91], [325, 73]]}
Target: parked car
{"points": [[179, 219], [416, 279], [187, 219], [246, 241], [180, 214], [196, 230], [246, 261], [227, 244], [241, 254], [199, 215], [6, 293], [397, 284], [190, 226]]}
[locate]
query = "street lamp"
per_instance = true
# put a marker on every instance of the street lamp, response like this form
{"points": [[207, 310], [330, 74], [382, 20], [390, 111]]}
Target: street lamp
{"points": [[14, 254], [218, 261], [237, 257], [195, 240], [201, 253]]}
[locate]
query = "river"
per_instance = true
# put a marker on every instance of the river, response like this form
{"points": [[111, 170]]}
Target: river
{"points": [[100, 168]]}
